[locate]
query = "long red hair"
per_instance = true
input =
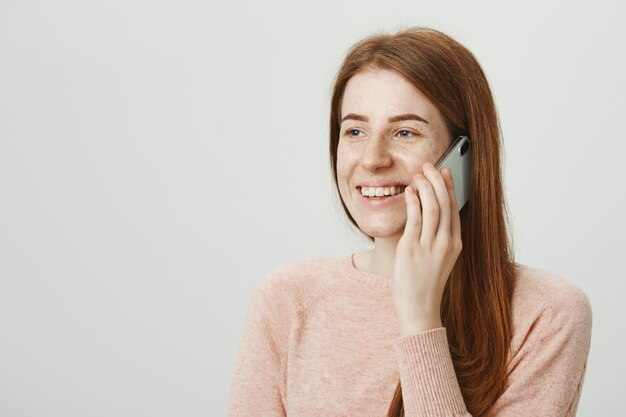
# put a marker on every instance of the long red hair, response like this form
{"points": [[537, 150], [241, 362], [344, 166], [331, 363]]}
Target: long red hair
{"points": [[476, 304]]}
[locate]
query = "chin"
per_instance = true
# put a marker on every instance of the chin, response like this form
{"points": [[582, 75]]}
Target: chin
{"points": [[383, 230]]}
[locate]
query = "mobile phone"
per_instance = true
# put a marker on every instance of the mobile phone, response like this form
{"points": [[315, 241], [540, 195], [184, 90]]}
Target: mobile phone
{"points": [[458, 159]]}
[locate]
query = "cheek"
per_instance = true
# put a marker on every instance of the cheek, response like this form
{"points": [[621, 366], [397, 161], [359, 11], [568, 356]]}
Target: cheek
{"points": [[345, 162], [414, 161], [345, 169]]}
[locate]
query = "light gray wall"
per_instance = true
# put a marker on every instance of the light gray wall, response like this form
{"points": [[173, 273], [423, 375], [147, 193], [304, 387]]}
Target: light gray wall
{"points": [[158, 158]]}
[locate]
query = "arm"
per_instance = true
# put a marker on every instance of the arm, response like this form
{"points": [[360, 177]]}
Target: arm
{"points": [[545, 375], [547, 372], [256, 388], [429, 383]]}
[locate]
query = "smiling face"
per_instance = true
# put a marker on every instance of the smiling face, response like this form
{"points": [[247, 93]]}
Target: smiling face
{"points": [[372, 148]]}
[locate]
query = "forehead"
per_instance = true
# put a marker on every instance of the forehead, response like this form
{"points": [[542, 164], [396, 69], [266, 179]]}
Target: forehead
{"points": [[379, 94]]}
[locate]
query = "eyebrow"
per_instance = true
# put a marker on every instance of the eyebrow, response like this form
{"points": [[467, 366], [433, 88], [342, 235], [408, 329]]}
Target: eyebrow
{"points": [[398, 118]]}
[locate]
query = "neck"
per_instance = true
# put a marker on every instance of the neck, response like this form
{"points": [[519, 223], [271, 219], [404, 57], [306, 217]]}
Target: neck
{"points": [[381, 259]]}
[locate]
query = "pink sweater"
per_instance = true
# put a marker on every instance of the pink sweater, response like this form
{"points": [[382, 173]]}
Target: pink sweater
{"points": [[321, 339]]}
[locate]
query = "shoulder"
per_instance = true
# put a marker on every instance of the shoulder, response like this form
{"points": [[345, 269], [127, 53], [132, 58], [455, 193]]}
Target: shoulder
{"points": [[534, 287], [299, 284], [547, 303]]}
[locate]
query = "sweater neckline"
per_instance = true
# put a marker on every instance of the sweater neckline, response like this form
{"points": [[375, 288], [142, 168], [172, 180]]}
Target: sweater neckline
{"points": [[382, 282]]}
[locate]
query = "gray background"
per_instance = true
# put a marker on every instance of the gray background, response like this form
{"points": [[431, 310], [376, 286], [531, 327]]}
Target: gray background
{"points": [[157, 158]]}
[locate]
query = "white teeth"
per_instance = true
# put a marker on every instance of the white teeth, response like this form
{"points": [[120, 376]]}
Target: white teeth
{"points": [[380, 191]]}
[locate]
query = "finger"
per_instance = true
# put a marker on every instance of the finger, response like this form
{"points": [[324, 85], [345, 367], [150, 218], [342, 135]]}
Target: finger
{"points": [[455, 218], [413, 225], [441, 192], [430, 209]]}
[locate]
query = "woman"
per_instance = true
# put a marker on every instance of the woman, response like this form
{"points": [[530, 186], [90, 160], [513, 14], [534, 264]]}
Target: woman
{"points": [[437, 319]]}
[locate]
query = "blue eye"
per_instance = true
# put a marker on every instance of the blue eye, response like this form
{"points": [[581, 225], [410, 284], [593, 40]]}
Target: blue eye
{"points": [[410, 134]]}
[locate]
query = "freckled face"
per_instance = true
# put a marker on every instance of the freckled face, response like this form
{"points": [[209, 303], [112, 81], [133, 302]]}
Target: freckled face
{"points": [[375, 148]]}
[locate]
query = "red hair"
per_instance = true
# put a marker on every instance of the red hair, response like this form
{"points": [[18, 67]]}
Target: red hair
{"points": [[476, 303]]}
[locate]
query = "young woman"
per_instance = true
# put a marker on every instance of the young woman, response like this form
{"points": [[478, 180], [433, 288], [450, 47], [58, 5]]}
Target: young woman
{"points": [[436, 319]]}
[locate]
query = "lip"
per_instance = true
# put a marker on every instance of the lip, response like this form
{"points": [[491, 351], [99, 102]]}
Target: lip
{"points": [[381, 183], [379, 202]]}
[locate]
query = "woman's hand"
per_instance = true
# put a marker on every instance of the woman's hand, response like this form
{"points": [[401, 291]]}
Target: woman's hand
{"points": [[427, 251]]}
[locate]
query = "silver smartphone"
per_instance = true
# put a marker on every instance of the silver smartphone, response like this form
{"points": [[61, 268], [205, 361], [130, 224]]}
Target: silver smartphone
{"points": [[458, 159]]}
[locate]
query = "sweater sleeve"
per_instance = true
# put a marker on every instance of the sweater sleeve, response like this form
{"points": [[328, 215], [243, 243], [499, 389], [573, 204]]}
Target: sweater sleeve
{"points": [[545, 376], [429, 384], [546, 373], [257, 383]]}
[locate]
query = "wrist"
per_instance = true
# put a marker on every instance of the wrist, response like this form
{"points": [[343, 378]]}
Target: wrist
{"points": [[418, 325]]}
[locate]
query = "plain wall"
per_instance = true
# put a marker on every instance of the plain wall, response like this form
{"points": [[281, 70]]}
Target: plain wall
{"points": [[158, 158]]}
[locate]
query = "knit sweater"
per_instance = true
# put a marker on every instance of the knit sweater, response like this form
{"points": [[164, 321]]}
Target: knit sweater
{"points": [[321, 339]]}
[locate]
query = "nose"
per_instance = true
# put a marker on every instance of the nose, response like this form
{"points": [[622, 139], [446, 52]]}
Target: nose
{"points": [[375, 154]]}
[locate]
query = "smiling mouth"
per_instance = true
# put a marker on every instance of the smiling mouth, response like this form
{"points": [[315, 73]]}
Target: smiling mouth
{"points": [[399, 190]]}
